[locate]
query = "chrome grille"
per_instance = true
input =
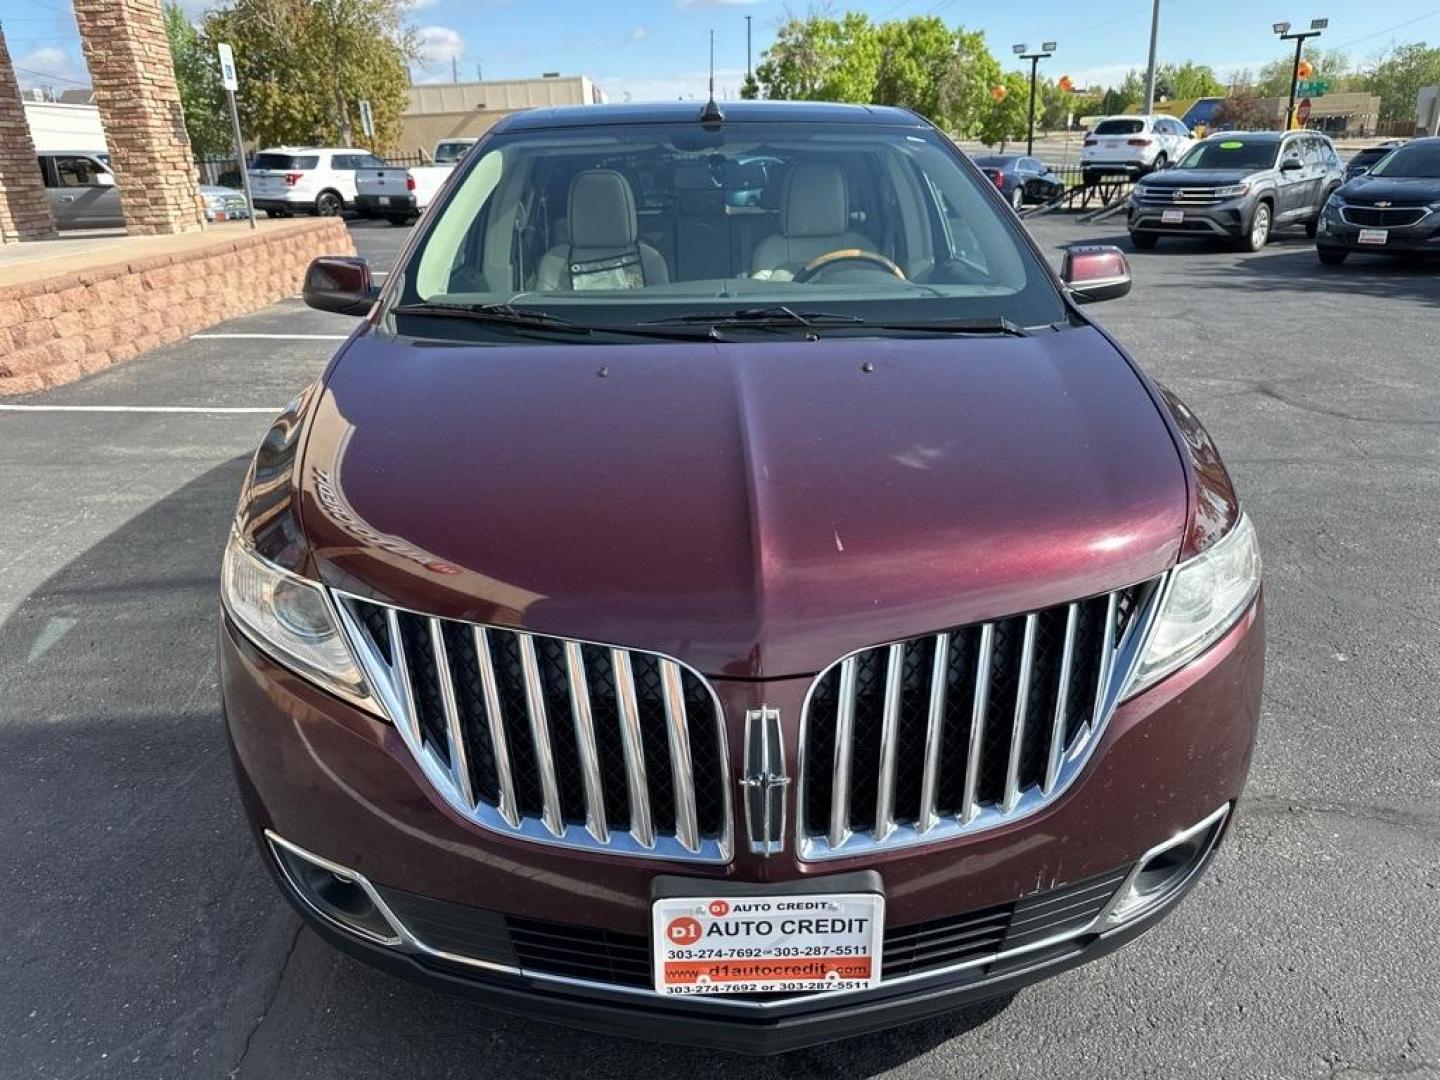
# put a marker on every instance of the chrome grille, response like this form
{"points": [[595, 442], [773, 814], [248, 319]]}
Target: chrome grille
{"points": [[559, 741], [926, 739], [1151, 196], [1389, 217]]}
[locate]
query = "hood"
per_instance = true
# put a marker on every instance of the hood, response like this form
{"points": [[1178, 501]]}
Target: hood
{"points": [[1175, 178], [758, 509], [1401, 190]]}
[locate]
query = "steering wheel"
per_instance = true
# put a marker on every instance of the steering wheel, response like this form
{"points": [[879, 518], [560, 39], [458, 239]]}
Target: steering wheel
{"points": [[831, 259]]}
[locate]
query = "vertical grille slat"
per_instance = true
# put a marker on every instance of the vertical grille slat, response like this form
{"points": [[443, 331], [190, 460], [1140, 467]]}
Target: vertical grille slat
{"points": [[921, 740], [551, 739]]}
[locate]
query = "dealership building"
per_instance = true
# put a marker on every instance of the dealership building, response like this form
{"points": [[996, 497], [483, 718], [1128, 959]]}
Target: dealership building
{"points": [[439, 111]]}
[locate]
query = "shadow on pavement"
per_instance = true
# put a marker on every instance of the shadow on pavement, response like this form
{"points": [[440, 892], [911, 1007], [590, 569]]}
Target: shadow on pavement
{"points": [[139, 933]]}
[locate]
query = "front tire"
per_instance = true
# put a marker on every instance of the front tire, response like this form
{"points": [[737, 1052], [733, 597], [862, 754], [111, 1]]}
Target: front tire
{"points": [[1161, 160], [1144, 241], [1017, 199], [1261, 222]]}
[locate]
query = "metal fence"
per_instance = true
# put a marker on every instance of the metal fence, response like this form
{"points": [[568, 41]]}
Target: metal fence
{"points": [[224, 169]]}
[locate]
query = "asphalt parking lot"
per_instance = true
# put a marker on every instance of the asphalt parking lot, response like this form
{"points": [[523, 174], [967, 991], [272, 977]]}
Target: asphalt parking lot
{"points": [[140, 936]]}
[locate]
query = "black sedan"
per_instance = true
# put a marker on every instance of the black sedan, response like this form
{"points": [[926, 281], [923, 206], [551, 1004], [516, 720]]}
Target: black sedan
{"points": [[1367, 159], [1021, 179], [1394, 209]]}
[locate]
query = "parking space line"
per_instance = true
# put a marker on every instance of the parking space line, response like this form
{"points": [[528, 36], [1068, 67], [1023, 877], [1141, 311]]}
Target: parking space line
{"points": [[269, 337], [220, 410]]}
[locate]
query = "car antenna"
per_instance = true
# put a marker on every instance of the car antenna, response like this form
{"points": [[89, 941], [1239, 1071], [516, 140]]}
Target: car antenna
{"points": [[711, 113]]}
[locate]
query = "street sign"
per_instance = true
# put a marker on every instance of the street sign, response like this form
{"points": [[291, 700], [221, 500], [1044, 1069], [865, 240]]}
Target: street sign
{"points": [[1313, 87], [227, 68], [1302, 111], [367, 119]]}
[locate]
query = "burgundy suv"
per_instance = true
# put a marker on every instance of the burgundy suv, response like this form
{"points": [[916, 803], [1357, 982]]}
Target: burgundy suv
{"points": [[726, 590]]}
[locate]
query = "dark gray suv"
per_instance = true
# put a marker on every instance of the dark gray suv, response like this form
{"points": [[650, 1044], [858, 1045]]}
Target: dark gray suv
{"points": [[1238, 185]]}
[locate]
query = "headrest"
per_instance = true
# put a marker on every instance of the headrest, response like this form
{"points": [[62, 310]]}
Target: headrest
{"points": [[602, 210], [816, 203]]}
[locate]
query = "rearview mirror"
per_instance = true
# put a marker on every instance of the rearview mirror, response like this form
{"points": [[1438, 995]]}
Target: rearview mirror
{"points": [[1095, 272], [1291, 164], [340, 284]]}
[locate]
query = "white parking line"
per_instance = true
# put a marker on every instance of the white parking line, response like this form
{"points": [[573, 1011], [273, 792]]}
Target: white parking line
{"points": [[220, 410], [269, 337]]}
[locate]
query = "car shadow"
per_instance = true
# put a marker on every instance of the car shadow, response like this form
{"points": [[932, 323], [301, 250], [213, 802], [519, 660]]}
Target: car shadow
{"points": [[139, 931]]}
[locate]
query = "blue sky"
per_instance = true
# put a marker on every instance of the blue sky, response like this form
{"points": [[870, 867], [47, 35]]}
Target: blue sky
{"points": [[656, 49]]}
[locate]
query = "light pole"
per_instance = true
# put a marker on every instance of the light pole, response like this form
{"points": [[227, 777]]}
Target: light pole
{"points": [[1047, 50], [1317, 27], [1150, 71]]}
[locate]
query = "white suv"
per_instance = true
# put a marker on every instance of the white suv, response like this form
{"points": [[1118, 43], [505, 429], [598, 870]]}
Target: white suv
{"points": [[1133, 145], [307, 179]]}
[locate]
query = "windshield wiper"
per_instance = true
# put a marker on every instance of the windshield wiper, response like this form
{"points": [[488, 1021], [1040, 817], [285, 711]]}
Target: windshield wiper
{"points": [[999, 326], [778, 315], [503, 314]]}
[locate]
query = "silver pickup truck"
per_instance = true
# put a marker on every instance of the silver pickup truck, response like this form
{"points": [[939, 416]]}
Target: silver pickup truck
{"points": [[399, 194]]}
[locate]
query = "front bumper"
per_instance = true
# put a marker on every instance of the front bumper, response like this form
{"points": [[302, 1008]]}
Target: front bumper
{"points": [[1228, 219], [1421, 238], [338, 783]]}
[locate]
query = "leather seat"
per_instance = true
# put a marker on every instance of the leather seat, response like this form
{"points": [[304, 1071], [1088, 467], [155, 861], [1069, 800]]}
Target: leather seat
{"points": [[603, 250], [814, 220]]}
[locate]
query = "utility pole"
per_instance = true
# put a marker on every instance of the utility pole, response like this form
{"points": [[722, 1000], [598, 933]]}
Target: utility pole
{"points": [[748, 72], [454, 70], [1317, 27], [1047, 50], [1150, 71]]}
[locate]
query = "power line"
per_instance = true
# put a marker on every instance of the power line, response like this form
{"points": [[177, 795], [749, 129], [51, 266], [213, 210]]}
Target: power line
{"points": [[1388, 30], [52, 75]]}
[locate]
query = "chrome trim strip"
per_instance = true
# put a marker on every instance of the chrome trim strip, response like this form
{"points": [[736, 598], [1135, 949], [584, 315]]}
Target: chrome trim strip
{"points": [[595, 822], [934, 732], [719, 1004], [640, 824], [682, 772], [970, 808], [344, 873], [889, 729], [459, 760], [1424, 212], [401, 669], [540, 735], [1022, 703], [1062, 700], [764, 779], [499, 741], [1112, 915], [1107, 660], [844, 729]]}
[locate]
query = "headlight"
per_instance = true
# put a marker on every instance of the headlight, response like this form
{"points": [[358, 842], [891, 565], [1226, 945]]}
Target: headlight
{"points": [[1234, 191], [291, 619], [1334, 202], [1204, 598]]}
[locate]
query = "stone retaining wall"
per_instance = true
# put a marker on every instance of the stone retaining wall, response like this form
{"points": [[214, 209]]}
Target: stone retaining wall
{"points": [[55, 329]]}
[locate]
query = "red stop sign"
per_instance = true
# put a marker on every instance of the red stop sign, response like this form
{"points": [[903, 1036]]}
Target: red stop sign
{"points": [[1302, 111]]}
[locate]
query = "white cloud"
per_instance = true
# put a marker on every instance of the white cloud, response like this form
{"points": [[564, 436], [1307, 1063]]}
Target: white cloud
{"points": [[683, 4], [689, 85], [437, 47], [50, 65], [640, 33]]}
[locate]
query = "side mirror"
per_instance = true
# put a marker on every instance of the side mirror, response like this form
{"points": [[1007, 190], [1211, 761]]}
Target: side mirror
{"points": [[340, 284], [1291, 164], [1096, 272]]}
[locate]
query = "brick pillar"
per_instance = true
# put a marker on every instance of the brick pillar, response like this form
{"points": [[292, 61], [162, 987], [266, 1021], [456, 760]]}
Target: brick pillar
{"points": [[24, 213], [134, 77]]}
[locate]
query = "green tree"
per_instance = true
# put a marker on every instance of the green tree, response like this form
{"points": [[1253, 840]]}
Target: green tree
{"points": [[1331, 65], [1180, 82], [970, 76], [303, 65], [198, 74], [915, 58], [1007, 119], [1398, 76], [822, 59], [749, 89]]}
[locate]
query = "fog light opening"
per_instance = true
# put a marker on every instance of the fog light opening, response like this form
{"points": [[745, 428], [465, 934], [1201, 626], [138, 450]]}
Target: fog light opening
{"points": [[1166, 868], [340, 895]]}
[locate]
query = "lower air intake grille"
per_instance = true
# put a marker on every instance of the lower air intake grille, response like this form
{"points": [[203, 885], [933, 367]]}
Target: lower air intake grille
{"points": [[926, 739], [558, 741]]}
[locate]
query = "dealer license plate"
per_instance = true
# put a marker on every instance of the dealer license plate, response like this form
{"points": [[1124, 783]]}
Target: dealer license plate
{"points": [[384, 200], [745, 944], [1172, 217], [1374, 236]]}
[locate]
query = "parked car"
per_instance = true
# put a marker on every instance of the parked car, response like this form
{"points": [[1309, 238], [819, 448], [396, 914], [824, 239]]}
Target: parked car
{"points": [[398, 193], [1362, 162], [1133, 146], [1021, 179], [223, 203], [291, 180], [747, 629], [80, 189], [1241, 185], [1391, 210]]}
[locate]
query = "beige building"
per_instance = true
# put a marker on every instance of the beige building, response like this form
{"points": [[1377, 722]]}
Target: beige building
{"points": [[449, 110]]}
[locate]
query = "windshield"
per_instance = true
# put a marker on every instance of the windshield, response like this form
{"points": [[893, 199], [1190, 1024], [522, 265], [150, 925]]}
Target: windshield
{"points": [[1231, 154], [1119, 127], [1418, 160], [447, 153], [625, 224]]}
